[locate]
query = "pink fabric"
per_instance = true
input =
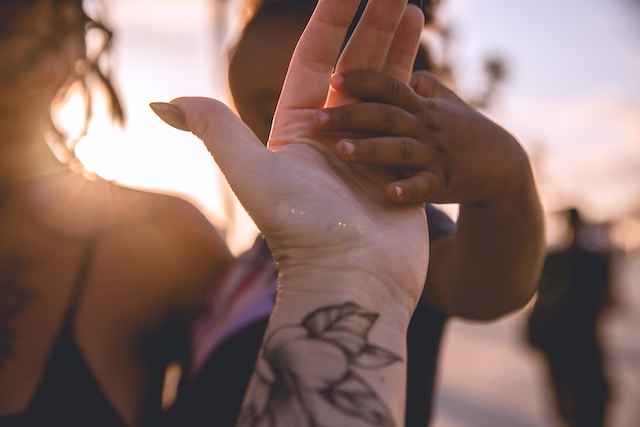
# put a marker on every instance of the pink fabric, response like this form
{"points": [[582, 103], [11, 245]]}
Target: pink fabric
{"points": [[246, 294]]}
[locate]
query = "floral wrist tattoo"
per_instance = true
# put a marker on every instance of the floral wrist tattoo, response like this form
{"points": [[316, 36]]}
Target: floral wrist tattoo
{"points": [[311, 368]]}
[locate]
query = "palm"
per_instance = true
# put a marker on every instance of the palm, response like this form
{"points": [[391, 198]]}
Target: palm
{"points": [[299, 194], [348, 200]]}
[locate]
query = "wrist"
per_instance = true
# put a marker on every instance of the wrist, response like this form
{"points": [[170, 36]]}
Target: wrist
{"points": [[312, 287], [375, 275], [517, 199], [338, 339]]}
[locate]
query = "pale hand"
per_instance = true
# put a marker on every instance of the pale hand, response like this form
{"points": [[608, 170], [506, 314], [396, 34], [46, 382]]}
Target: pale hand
{"points": [[316, 212]]}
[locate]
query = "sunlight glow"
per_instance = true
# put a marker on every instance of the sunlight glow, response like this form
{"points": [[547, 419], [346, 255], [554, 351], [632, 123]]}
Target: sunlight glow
{"points": [[70, 113], [96, 155]]}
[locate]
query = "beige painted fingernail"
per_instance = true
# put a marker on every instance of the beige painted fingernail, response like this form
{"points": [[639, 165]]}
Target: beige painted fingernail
{"points": [[170, 114]]}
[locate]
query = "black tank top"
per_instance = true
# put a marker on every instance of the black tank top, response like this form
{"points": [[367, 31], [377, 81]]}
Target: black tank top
{"points": [[68, 394]]}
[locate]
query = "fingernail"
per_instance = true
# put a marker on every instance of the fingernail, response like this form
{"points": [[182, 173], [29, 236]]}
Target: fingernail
{"points": [[397, 190], [323, 118], [170, 114], [348, 148]]}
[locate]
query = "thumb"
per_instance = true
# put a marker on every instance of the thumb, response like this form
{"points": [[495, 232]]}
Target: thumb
{"points": [[234, 147], [226, 136]]}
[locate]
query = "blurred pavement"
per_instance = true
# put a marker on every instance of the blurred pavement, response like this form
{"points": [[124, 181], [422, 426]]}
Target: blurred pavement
{"points": [[489, 377]]}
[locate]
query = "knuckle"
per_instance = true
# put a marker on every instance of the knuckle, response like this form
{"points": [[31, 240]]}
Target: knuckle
{"points": [[427, 114], [406, 147], [426, 186], [388, 114], [370, 149], [341, 116], [392, 87], [414, 193]]}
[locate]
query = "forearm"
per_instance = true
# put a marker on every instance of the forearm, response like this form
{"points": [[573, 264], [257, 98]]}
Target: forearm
{"points": [[491, 265], [334, 354]]}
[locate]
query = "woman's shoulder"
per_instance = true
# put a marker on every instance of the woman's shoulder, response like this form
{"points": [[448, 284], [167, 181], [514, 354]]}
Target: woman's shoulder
{"points": [[117, 206], [133, 205], [161, 245], [158, 217]]}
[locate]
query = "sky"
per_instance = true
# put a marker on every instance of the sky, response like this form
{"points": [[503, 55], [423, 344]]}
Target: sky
{"points": [[573, 92], [572, 95]]}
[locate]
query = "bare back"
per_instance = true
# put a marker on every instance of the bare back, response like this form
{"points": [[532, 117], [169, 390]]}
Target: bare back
{"points": [[130, 269]]}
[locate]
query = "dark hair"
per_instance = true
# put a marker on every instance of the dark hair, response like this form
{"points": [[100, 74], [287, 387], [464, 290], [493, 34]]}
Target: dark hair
{"points": [[92, 72], [429, 7], [423, 61]]}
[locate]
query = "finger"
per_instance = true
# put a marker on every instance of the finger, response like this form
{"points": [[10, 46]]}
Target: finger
{"points": [[419, 188], [371, 86], [426, 84], [402, 152], [404, 47], [234, 147], [369, 45], [315, 55], [369, 117]]}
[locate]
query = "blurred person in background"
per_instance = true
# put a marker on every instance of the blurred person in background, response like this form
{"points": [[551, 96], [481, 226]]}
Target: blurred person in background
{"points": [[445, 151], [99, 284], [575, 292]]}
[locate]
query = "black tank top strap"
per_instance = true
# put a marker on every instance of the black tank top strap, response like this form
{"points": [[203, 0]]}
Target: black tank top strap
{"points": [[79, 284]]}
